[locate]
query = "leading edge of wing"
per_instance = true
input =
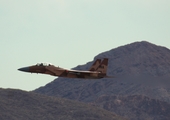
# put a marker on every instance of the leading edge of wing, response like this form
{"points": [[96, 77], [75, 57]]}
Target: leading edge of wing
{"points": [[79, 71]]}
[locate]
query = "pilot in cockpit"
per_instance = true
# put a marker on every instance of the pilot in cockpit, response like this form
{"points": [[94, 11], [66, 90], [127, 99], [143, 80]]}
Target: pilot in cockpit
{"points": [[43, 64]]}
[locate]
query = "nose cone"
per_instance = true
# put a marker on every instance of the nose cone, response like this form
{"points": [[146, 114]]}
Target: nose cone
{"points": [[24, 69]]}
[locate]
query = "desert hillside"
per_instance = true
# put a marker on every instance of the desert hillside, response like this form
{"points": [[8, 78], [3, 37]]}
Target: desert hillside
{"points": [[140, 69], [21, 105]]}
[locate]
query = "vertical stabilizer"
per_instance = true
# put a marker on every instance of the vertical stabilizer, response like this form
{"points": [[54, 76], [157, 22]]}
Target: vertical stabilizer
{"points": [[95, 65], [103, 66]]}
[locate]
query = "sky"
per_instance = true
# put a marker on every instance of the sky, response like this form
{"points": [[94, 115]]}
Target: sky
{"points": [[68, 33]]}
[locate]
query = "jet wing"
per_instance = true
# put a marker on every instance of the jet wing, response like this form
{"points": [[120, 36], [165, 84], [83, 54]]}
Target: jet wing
{"points": [[80, 72]]}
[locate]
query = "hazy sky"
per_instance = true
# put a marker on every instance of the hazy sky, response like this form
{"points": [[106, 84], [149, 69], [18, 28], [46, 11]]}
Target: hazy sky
{"points": [[71, 32]]}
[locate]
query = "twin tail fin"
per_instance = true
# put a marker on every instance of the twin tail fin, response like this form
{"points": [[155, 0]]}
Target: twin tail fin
{"points": [[100, 66]]}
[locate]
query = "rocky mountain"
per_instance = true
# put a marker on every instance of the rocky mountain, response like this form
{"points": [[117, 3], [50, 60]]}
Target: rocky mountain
{"points": [[21, 105], [140, 68], [135, 107]]}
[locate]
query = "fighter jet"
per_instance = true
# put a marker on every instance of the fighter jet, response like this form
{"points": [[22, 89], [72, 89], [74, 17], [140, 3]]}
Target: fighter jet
{"points": [[98, 70]]}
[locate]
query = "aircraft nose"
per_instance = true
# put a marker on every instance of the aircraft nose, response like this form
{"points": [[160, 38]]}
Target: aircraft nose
{"points": [[24, 69]]}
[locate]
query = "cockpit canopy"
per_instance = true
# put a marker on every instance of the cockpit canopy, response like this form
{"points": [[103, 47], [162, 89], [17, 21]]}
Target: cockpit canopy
{"points": [[43, 64]]}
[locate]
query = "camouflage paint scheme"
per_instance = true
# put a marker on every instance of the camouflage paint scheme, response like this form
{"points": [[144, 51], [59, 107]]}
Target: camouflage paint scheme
{"points": [[97, 70]]}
